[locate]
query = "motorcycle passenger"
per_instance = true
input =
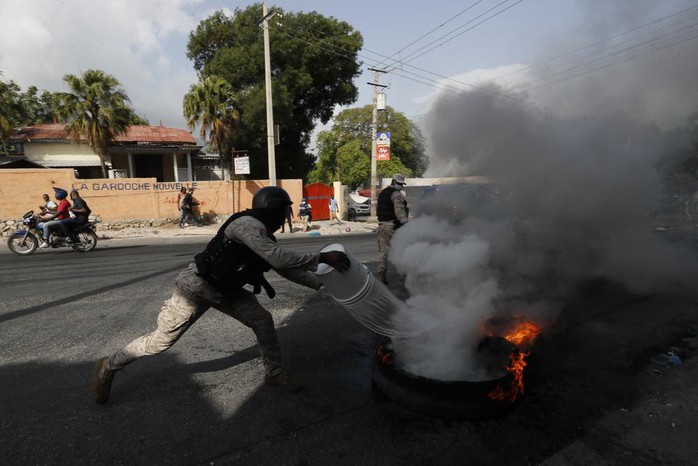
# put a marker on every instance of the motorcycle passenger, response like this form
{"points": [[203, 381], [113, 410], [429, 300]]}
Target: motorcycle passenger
{"points": [[48, 206], [241, 252], [82, 215], [62, 213]]}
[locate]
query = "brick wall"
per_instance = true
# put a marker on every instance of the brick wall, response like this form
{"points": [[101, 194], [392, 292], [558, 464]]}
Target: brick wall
{"points": [[128, 198]]}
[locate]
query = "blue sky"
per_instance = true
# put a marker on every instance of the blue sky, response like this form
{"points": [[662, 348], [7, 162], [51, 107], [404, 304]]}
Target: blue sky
{"points": [[143, 45]]}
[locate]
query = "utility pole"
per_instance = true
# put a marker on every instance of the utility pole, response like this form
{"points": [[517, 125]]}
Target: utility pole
{"points": [[374, 128], [267, 85]]}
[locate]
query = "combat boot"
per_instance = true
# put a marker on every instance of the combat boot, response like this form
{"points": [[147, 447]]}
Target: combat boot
{"points": [[382, 277], [102, 378], [283, 380]]}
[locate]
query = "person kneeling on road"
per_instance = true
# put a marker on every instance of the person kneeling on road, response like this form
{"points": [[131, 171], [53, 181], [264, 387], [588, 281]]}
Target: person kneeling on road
{"points": [[242, 250]]}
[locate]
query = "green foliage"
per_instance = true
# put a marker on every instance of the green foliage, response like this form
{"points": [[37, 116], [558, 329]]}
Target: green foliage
{"points": [[344, 151], [31, 108], [209, 104], [313, 59], [96, 108]]}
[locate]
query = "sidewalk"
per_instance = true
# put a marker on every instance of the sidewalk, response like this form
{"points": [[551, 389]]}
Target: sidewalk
{"points": [[320, 227]]}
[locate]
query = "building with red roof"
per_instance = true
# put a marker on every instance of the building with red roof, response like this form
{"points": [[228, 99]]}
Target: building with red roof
{"points": [[167, 154]]}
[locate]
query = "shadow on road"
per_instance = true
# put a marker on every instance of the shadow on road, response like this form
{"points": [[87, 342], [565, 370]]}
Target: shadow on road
{"points": [[163, 411]]}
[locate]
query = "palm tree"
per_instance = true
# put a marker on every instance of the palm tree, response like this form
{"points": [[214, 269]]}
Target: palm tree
{"points": [[209, 103], [96, 108]]}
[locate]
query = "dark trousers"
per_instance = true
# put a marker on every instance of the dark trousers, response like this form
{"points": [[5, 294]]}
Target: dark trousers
{"points": [[69, 225]]}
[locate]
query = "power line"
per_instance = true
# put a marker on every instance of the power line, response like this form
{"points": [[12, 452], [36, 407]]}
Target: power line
{"points": [[437, 84], [599, 63], [615, 56], [409, 58], [432, 30], [661, 46], [536, 65]]}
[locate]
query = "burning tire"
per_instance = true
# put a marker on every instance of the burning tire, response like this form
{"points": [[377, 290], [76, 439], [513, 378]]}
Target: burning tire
{"points": [[440, 398]]}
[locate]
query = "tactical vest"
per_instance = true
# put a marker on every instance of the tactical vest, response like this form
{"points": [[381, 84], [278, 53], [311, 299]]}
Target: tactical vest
{"points": [[228, 265], [384, 208]]}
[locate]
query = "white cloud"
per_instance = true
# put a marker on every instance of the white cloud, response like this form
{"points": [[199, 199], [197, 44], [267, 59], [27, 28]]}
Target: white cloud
{"points": [[142, 44]]}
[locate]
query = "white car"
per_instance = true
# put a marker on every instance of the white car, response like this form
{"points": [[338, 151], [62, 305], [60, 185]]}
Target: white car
{"points": [[358, 205]]}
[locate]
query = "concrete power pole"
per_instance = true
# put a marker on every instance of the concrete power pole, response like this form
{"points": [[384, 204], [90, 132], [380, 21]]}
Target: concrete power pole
{"points": [[267, 85], [374, 128]]}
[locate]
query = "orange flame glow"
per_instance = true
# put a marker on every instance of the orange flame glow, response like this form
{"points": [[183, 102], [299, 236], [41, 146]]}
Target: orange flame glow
{"points": [[523, 335]]}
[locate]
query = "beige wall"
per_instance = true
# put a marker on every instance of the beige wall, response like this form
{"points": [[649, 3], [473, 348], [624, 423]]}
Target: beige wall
{"points": [[46, 151], [128, 198]]}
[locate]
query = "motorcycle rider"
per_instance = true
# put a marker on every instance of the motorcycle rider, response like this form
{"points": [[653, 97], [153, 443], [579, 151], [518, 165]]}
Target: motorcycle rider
{"points": [[82, 215], [242, 250], [62, 212]]}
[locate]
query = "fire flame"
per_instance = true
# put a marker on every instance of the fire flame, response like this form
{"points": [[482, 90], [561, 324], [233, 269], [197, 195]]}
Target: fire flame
{"points": [[523, 335]]}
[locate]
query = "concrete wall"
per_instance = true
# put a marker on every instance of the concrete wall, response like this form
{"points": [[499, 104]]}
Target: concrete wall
{"points": [[129, 198], [385, 182]]}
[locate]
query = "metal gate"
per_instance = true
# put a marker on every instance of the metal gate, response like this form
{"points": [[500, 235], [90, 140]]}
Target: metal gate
{"points": [[318, 196]]}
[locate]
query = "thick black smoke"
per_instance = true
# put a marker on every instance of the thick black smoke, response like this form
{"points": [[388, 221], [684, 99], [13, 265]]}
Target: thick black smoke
{"points": [[575, 189]]}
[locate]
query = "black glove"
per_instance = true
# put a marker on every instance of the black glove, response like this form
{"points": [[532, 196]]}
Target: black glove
{"points": [[336, 259]]}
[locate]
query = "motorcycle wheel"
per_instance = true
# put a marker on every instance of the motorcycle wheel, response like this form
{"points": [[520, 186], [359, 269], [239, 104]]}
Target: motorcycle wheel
{"points": [[21, 245], [88, 241]]}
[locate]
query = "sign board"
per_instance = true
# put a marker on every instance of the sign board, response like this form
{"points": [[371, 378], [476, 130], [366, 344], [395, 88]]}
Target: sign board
{"points": [[383, 139], [380, 101], [242, 165], [382, 152]]}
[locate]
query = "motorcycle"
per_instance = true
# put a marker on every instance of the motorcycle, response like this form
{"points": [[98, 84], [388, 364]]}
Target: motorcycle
{"points": [[25, 241]]}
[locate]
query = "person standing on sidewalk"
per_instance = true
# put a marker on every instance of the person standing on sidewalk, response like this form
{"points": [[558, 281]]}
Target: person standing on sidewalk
{"points": [[304, 213], [180, 205], [334, 211], [242, 250], [392, 212]]}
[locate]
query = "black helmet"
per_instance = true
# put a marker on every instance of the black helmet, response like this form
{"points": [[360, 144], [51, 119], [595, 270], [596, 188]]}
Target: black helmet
{"points": [[270, 197]]}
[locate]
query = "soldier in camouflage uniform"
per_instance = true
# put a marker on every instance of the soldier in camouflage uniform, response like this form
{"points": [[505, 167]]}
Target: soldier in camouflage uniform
{"points": [[242, 250], [392, 214]]}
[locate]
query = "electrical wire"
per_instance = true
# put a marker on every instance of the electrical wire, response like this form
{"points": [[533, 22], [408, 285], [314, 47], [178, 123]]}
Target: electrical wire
{"points": [[598, 63], [571, 52], [411, 57], [431, 30], [615, 55]]}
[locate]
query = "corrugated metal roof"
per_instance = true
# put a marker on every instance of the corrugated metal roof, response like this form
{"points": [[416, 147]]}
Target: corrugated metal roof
{"points": [[87, 162], [135, 134]]}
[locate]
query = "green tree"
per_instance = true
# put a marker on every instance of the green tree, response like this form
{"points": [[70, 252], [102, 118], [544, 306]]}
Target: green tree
{"points": [[314, 60], [351, 134], [209, 104], [96, 108], [10, 111]]}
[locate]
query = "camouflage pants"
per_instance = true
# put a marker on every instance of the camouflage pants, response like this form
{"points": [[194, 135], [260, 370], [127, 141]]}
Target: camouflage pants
{"points": [[191, 298], [386, 230]]}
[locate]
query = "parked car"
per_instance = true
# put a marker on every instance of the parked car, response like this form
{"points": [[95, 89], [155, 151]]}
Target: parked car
{"points": [[358, 206]]}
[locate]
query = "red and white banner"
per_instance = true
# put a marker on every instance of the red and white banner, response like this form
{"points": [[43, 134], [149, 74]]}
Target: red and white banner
{"points": [[382, 152]]}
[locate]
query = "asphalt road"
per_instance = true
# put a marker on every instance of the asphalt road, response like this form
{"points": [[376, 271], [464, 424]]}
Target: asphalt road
{"points": [[203, 401]]}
